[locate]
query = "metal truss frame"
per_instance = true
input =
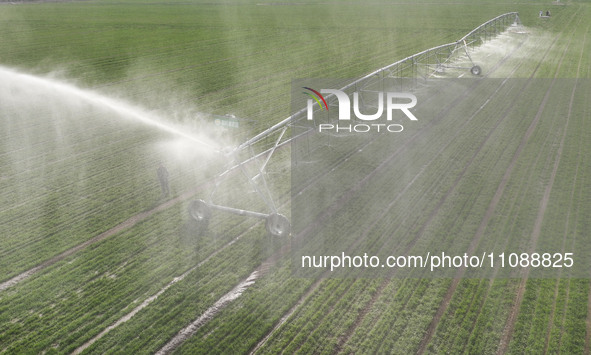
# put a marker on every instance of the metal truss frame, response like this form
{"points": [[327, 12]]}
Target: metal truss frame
{"points": [[419, 66]]}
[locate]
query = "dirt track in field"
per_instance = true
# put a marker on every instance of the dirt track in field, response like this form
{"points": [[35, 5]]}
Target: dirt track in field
{"points": [[130, 222]]}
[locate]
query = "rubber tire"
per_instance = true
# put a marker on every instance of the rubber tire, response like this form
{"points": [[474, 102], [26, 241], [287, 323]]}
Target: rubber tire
{"points": [[476, 70], [200, 211], [278, 225]]}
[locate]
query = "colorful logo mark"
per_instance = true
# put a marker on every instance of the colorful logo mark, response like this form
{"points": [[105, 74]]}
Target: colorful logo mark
{"points": [[316, 98]]}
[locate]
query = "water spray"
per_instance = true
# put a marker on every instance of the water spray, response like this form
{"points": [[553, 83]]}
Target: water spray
{"points": [[431, 61], [277, 224], [121, 107]]}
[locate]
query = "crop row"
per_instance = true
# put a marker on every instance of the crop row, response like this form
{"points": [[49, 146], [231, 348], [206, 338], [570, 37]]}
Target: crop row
{"points": [[486, 309], [98, 285], [401, 344], [196, 341], [397, 214], [104, 301], [57, 179], [519, 342], [60, 201]]}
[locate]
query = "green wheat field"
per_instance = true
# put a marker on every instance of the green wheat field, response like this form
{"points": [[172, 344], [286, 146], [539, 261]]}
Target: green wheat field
{"points": [[94, 260]]}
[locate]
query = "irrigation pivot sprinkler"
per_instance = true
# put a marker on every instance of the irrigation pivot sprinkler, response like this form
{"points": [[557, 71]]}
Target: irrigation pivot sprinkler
{"points": [[240, 158], [258, 150], [436, 60], [461, 46]]}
